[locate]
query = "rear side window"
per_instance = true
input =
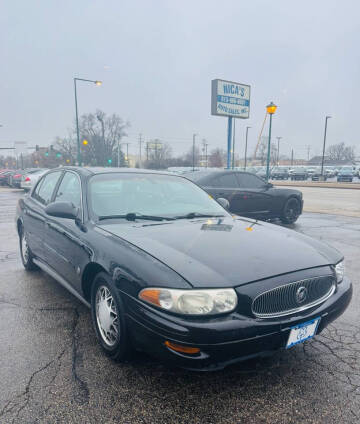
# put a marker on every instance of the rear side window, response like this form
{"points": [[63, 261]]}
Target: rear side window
{"points": [[45, 189], [225, 181], [250, 181]]}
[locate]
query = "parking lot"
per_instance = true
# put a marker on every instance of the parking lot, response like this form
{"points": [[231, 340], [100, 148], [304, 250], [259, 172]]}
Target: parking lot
{"points": [[52, 369]]}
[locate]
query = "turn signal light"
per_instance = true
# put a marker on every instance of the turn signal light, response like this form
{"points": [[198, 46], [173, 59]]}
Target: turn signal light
{"points": [[151, 296], [182, 349]]}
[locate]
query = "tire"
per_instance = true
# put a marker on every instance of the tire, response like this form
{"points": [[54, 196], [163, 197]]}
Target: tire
{"points": [[291, 211], [108, 317], [25, 252]]}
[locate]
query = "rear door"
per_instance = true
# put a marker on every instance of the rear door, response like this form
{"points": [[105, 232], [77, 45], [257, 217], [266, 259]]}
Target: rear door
{"points": [[34, 212]]}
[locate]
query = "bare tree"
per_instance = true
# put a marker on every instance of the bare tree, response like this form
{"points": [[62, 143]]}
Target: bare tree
{"points": [[217, 158], [67, 146], [103, 134], [263, 151], [192, 156], [340, 151], [158, 154]]}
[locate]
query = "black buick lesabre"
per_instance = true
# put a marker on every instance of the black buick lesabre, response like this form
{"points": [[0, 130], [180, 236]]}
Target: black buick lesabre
{"points": [[167, 270]]}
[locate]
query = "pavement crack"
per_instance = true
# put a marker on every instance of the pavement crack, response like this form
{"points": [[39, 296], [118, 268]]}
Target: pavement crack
{"points": [[83, 395]]}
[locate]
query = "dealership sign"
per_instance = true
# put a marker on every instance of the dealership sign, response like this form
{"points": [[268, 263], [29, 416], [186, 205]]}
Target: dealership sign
{"points": [[230, 99]]}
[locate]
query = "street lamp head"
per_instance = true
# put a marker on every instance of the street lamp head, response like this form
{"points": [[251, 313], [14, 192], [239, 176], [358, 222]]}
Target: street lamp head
{"points": [[327, 117], [271, 108], [98, 82]]}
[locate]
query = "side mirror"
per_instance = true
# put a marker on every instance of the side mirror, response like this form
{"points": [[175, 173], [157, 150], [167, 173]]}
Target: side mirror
{"points": [[62, 210], [269, 185], [223, 202]]}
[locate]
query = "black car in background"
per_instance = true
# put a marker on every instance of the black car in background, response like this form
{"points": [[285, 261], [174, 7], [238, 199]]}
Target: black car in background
{"points": [[316, 175], [279, 174], [165, 269], [249, 195], [299, 173], [345, 175]]}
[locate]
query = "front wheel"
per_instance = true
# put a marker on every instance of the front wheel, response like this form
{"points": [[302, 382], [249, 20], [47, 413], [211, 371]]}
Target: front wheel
{"points": [[291, 212], [25, 252], [108, 316]]}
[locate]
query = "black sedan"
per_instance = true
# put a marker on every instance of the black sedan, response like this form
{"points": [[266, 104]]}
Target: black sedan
{"points": [[167, 270], [279, 174], [299, 174], [249, 195], [345, 175]]}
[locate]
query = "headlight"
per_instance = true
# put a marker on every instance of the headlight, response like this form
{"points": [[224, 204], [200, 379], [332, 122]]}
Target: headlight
{"points": [[191, 302], [340, 271]]}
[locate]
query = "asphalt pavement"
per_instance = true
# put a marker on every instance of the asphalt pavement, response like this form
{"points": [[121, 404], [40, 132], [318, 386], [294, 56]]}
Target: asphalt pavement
{"points": [[53, 371]]}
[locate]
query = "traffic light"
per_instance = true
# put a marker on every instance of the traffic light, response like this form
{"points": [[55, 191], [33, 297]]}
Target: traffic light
{"points": [[109, 161], [85, 142], [46, 154], [58, 155]]}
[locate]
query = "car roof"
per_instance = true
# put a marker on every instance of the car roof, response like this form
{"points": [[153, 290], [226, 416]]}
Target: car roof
{"points": [[204, 175], [103, 170]]}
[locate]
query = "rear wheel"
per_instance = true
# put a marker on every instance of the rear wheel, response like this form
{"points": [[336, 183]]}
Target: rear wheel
{"points": [[291, 212], [108, 316], [25, 252]]}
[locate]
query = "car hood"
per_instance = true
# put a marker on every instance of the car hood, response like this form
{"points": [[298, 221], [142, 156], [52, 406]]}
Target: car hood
{"points": [[225, 252]]}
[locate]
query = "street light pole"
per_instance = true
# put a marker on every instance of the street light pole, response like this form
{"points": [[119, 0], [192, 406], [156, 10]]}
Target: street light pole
{"points": [[96, 82], [323, 153], [271, 109], [246, 142], [278, 152]]}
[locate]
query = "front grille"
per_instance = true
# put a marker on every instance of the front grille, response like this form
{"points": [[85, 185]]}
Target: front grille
{"points": [[293, 297]]}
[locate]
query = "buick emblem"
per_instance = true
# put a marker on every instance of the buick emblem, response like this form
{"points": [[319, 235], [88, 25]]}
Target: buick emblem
{"points": [[301, 294]]}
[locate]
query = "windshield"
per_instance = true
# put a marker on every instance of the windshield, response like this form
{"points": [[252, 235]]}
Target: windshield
{"points": [[148, 194]]}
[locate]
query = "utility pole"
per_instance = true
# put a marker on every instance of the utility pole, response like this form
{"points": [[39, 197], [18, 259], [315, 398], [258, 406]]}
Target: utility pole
{"points": [[278, 152], [323, 154], [147, 151], [140, 141], [308, 152], [292, 157], [194, 135], [205, 144]]}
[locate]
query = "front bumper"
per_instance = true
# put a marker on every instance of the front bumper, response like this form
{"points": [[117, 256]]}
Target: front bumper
{"points": [[223, 340]]}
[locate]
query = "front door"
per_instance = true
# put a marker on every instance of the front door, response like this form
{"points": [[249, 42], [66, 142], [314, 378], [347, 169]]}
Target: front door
{"points": [[257, 199], [64, 248]]}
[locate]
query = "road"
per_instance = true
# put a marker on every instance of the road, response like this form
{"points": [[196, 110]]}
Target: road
{"points": [[331, 200], [52, 370]]}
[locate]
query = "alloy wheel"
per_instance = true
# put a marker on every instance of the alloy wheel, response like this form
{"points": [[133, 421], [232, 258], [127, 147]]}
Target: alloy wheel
{"points": [[292, 210], [24, 248], [107, 316]]}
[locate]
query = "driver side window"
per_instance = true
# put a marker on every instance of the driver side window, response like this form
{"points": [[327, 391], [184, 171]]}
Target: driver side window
{"points": [[69, 190]]}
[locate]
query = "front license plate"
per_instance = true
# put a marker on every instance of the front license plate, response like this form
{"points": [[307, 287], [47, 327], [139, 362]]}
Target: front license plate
{"points": [[302, 332]]}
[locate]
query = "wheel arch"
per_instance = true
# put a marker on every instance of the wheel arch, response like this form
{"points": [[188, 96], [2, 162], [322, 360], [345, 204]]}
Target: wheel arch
{"points": [[19, 224], [88, 275]]}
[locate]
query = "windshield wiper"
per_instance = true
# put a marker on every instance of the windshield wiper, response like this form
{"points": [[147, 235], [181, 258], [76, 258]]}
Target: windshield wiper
{"points": [[133, 216], [193, 215]]}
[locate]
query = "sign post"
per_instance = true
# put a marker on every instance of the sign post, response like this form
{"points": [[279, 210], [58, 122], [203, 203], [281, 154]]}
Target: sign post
{"points": [[230, 99]]}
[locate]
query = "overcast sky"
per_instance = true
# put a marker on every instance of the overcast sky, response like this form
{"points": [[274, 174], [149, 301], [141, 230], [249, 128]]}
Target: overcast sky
{"points": [[157, 59]]}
